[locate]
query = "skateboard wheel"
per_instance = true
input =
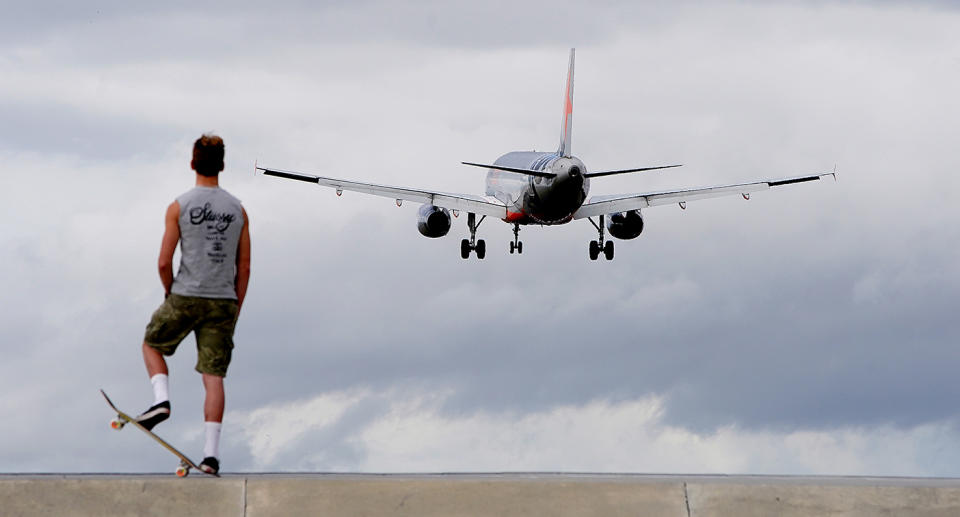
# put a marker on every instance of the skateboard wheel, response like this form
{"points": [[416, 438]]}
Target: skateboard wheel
{"points": [[182, 471], [117, 424]]}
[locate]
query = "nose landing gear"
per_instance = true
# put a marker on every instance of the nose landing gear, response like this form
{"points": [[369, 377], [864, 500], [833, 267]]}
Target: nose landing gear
{"points": [[598, 245], [516, 245]]}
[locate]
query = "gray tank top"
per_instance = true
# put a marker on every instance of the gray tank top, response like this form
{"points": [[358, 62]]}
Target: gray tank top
{"points": [[210, 223]]}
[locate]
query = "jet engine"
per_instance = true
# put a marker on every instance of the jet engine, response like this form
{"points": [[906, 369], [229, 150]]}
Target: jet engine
{"points": [[433, 221], [625, 225]]}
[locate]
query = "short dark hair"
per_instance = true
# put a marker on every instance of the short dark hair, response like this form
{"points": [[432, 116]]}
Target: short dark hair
{"points": [[208, 155]]}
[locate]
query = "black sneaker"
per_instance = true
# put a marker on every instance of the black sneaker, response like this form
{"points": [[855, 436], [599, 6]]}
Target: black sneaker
{"points": [[210, 465], [153, 416]]}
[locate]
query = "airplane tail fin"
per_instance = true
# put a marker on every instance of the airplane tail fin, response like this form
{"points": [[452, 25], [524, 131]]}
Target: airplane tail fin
{"points": [[567, 126]]}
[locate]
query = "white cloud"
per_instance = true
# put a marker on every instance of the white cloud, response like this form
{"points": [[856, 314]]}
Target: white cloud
{"points": [[412, 433], [269, 430]]}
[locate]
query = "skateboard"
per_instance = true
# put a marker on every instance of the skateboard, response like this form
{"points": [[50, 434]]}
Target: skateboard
{"points": [[122, 419]]}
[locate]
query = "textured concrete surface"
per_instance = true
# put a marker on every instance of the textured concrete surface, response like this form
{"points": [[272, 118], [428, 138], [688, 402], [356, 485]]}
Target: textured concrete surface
{"points": [[821, 498], [465, 495], [531, 495], [118, 495]]}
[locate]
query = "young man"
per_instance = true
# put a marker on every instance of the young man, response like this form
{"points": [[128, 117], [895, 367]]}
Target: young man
{"points": [[206, 295]]}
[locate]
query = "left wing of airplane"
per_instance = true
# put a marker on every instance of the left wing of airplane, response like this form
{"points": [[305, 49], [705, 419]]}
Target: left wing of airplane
{"points": [[601, 205], [481, 205]]}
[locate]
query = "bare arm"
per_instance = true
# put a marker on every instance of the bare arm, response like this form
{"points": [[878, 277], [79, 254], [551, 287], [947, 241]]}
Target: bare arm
{"points": [[243, 260], [171, 236]]}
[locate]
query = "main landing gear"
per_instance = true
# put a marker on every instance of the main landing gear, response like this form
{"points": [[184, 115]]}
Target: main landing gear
{"points": [[598, 245], [472, 244], [516, 245]]}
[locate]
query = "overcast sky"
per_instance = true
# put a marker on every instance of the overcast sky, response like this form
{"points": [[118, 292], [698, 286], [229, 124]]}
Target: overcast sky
{"points": [[810, 330]]}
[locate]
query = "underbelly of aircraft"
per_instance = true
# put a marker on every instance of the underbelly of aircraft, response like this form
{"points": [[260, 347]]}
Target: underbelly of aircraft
{"points": [[536, 214], [548, 218], [548, 221], [534, 199]]}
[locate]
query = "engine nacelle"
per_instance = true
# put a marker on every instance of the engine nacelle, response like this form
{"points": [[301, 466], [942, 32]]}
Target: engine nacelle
{"points": [[433, 221], [625, 225]]}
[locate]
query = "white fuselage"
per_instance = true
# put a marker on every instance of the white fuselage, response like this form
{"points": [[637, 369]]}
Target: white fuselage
{"points": [[539, 200]]}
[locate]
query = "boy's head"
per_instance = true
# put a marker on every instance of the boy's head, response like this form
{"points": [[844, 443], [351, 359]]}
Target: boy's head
{"points": [[208, 155]]}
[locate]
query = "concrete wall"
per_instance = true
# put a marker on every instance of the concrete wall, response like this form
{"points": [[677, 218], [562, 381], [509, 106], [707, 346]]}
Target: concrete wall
{"points": [[508, 495]]}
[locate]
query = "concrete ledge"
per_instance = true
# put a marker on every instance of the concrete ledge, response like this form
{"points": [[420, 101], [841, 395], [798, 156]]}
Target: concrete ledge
{"points": [[531, 495], [465, 495], [119, 495], [821, 498]]}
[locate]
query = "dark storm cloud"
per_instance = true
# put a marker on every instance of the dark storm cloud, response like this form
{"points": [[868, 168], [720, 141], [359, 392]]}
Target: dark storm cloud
{"points": [[760, 369]]}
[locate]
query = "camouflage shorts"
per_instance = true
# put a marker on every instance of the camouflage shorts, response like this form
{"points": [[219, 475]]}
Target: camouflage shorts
{"points": [[212, 320]]}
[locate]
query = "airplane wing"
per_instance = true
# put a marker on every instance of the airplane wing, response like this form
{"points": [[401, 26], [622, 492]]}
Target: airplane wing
{"points": [[600, 205], [481, 205]]}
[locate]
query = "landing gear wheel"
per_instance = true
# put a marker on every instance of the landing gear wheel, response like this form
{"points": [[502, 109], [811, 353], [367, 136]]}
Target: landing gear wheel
{"points": [[519, 247], [513, 247], [598, 245], [472, 244]]}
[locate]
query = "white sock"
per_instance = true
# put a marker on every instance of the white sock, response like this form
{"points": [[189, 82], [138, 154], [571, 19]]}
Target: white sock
{"points": [[212, 446], [160, 389]]}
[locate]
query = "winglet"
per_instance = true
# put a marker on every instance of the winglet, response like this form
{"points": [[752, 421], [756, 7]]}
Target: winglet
{"points": [[566, 130]]}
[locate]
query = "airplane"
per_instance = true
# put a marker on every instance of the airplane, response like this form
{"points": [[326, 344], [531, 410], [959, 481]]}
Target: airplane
{"points": [[545, 188]]}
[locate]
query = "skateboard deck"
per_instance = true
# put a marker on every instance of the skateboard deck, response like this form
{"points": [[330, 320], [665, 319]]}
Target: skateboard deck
{"points": [[122, 419]]}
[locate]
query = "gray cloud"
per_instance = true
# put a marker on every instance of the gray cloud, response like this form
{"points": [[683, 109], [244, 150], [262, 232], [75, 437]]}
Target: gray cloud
{"points": [[116, 30], [63, 129], [823, 306]]}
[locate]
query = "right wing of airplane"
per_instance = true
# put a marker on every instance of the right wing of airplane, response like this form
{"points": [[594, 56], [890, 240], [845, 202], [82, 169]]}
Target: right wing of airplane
{"points": [[481, 205], [601, 205]]}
